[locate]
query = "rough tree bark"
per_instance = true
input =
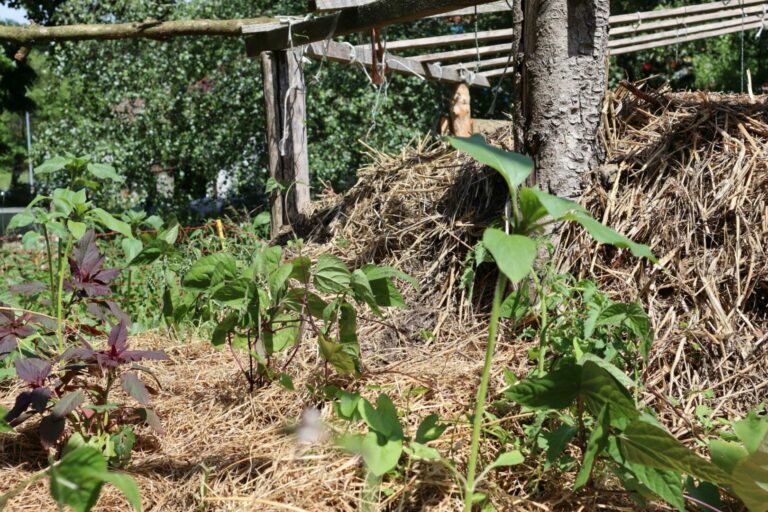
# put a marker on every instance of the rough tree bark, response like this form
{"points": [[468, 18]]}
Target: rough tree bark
{"points": [[562, 82]]}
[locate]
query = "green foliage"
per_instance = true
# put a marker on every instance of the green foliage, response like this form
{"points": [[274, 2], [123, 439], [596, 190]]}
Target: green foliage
{"points": [[515, 253], [264, 305]]}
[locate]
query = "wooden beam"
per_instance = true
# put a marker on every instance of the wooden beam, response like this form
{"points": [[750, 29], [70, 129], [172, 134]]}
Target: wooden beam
{"points": [[463, 54], [706, 27], [640, 17], [635, 28], [335, 5], [348, 54], [497, 72], [380, 13], [684, 38], [488, 63], [453, 39], [285, 102]]}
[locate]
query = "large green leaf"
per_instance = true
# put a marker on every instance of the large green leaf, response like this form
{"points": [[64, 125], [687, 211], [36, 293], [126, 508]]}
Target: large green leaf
{"points": [[556, 207], [108, 221], [513, 167], [668, 485], [332, 275], [750, 479], [210, 270], [514, 254], [127, 486], [374, 272], [383, 418], [726, 454], [605, 235], [752, 430], [649, 445], [105, 172], [598, 388], [131, 248], [55, 164], [598, 441], [381, 454], [77, 480], [556, 390]]}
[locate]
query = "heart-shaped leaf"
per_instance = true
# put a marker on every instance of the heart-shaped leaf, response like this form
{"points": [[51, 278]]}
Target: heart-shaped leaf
{"points": [[514, 254]]}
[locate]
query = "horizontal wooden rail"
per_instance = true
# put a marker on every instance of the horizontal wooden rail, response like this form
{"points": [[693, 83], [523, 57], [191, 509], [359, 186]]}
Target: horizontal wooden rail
{"points": [[484, 64], [684, 38], [640, 17], [683, 21], [463, 54], [684, 31], [449, 40], [362, 55]]}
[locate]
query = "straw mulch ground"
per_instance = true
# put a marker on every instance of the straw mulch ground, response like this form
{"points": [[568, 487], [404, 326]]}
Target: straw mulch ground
{"points": [[686, 168]]}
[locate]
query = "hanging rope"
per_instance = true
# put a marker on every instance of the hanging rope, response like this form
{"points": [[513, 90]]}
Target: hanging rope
{"points": [[292, 89]]}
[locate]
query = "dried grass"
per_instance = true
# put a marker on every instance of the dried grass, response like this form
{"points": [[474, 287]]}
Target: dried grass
{"points": [[691, 182]]}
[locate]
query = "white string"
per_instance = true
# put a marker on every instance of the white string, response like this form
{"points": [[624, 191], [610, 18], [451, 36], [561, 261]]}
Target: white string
{"points": [[407, 67], [743, 15], [464, 72], [295, 89], [353, 60], [326, 46]]}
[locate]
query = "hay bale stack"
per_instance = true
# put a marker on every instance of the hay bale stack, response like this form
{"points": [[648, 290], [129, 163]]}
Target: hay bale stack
{"points": [[687, 174]]}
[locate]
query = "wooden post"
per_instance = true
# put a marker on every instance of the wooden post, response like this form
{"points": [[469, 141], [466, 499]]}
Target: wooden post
{"points": [[284, 95], [461, 111]]}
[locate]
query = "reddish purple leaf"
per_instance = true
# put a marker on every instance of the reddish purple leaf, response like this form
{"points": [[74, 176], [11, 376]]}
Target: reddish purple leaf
{"points": [[28, 289], [51, 429], [31, 370], [134, 387], [153, 420]]}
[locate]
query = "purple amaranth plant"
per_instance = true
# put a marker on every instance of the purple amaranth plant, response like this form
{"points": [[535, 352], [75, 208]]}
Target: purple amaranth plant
{"points": [[85, 376], [14, 327], [88, 278]]}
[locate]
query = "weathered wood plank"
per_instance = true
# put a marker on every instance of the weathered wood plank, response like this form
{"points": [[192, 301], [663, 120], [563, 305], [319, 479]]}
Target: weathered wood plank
{"points": [[357, 19], [347, 54], [463, 54], [452, 39], [285, 102], [334, 5]]}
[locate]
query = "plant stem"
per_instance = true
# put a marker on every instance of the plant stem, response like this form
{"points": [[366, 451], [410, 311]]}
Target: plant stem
{"points": [[544, 320], [50, 267], [482, 391], [60, 294]]}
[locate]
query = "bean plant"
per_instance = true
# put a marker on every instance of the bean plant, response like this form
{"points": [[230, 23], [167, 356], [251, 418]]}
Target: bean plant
{"points": [[575, 379]]}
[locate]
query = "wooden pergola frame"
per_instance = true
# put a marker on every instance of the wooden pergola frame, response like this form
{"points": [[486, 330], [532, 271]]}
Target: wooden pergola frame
{"points": [[465, 59]]}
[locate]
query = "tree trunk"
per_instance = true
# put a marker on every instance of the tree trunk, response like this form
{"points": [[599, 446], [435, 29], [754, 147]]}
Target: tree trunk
{"points": [[562, 83]]}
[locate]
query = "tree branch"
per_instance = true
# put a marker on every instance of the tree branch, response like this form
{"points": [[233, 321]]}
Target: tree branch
{"points": [[360, 18], [151, 29]]}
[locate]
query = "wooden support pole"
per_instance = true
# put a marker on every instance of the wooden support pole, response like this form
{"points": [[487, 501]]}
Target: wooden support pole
{"points": [[286, 111]]}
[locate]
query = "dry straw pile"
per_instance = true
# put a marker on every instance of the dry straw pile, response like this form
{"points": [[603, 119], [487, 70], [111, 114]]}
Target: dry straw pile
{"points": [[687, 174]]}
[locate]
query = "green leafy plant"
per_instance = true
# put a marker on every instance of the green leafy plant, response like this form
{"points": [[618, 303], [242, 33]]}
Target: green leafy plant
{"points": [[265, 307], [515, 251], [67, 215], [77, 479]]}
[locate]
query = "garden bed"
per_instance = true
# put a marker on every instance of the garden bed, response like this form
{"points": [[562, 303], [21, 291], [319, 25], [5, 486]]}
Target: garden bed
{"points": [[686, 175]]}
